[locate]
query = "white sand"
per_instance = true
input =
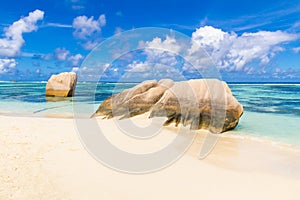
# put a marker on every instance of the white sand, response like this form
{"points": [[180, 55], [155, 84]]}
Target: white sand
{"points": [[42, 158]]}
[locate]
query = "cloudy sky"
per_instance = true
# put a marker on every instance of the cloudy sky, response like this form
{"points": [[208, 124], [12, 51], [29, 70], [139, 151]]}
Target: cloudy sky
{"points": [[246, 40]]}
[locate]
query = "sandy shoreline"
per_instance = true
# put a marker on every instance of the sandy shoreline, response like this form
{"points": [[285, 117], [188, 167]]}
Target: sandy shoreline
{"points": [[43, 158]]}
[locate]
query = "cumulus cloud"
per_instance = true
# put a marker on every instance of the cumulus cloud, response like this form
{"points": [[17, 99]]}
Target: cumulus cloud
{"points": [[164, 59], [161, 58], [210, 47], [6, 65], [161, 51], [169, 44], [88, 30], [75, 59], [138, 71], [89, 45], [232, 52], [138, 67], [13, 40], [61, 54], [86, 27], [296, 49]]}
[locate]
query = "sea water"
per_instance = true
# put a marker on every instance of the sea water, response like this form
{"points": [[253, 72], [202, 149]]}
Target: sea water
{"points": [[271, 111]]}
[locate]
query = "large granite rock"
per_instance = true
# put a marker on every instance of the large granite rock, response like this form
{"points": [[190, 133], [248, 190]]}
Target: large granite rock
{"points": [[61, 85], [202, 103]]}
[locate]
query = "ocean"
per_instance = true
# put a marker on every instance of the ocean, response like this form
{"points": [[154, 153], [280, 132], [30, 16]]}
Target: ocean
{"points": [[271, 111]]}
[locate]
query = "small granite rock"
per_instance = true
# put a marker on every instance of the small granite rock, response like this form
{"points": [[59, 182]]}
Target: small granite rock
{"points": [[61, 85]]}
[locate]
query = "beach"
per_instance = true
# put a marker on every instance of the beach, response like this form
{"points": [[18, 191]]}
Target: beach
{"points": [[43, 158], [137, 100]]}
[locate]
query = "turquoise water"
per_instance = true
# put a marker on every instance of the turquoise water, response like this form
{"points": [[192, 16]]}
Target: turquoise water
{"points": [[29, 98], [271, 111]]}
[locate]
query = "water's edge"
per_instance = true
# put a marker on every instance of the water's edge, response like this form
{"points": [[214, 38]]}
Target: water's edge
{"points": [[271, 111]]}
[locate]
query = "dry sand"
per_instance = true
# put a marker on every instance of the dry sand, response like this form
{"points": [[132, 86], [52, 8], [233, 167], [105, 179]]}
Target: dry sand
{"points": [[43, 158]]}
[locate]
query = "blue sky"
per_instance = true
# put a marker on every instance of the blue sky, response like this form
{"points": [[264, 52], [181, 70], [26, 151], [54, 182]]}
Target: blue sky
{"points": [[247, 40]]}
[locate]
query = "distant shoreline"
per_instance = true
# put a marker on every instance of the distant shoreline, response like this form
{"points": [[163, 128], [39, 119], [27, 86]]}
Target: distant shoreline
{"points": [[114, 82]]}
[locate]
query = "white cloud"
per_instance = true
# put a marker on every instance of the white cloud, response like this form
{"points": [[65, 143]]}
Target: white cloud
{"points": [[13, 40], [161, 51], [102, 20], [286, 73], [233, 52], [162, 57], [228, 50], [169, 44], [6, 65], [84, 69], [88, 30], [138, 67], [138, 71], [296, 49], [61, 54], [118, 30], [75, 59], [85, 27], [89, 45], [209, 37], [209, 47], [91, 73], [75, 69]]}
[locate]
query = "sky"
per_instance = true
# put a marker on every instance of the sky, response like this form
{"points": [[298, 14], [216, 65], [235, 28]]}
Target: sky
{"points": [[247, 41]]}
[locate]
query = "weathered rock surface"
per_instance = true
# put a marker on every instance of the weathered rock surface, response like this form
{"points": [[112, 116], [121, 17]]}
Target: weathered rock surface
{"points": [[134, 101], [202, 103], [61, 85]]}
